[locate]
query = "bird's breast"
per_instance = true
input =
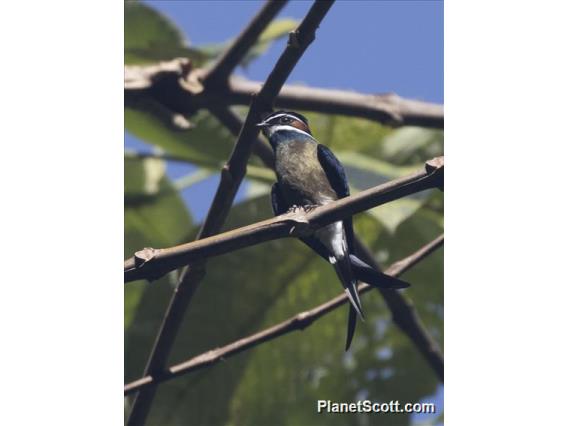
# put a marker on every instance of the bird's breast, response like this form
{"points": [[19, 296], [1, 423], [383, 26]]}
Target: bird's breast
{"points": [[301, 177]]}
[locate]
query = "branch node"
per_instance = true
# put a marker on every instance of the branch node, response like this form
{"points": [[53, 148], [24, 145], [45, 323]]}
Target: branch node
{"points": [[303, 319], [144, 256], [434, 164], [301, 223], [293, 40], [435, 167], [227, 174]]}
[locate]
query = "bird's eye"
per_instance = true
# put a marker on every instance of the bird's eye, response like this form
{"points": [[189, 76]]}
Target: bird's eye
{"points": [[285, 120]]}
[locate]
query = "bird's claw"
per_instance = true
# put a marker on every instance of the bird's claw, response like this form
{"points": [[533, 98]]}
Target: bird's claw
{"points": [[305, 208], [295, 209]]}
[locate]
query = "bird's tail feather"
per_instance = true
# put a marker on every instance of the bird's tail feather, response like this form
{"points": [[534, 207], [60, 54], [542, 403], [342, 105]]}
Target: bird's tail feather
{"points": [[351, 324], [368, 274], [343, 270]]}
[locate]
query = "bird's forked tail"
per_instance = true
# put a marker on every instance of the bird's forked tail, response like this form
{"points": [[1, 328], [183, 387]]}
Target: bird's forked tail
{"points": [[343, 269]]}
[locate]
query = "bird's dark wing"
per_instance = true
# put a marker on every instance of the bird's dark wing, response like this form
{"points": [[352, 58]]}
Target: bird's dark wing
{"points": [[278, 204], [338, 181]]}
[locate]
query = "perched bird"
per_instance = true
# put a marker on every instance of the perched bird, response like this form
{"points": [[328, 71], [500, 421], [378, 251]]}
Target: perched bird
{"points": [[309, 176]]}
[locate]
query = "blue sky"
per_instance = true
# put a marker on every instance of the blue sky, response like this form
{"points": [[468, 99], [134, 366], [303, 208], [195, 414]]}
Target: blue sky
{"points": [[368, 46]]}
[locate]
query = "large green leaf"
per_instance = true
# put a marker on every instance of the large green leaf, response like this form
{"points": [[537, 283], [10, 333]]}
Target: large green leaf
{"points": [[412, 144], [154, 216], [253, 288], [401, 147], [207, 144], [347, 133], [150, 36], [143, 177]]}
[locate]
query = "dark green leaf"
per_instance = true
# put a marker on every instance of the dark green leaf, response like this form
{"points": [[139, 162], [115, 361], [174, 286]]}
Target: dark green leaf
{"points": [[150, 36], [207, 144], [154, 216]]}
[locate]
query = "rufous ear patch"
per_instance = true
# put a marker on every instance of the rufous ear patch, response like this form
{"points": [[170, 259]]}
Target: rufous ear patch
{"points": [[300, 125]]}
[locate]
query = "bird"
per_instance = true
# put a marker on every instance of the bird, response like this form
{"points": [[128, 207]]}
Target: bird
{"points": [[308, 176]]}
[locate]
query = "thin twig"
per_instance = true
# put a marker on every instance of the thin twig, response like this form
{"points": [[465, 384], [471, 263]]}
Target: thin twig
{"points": [[153, 263], [218, 75], [297, 322], [231, 177]]}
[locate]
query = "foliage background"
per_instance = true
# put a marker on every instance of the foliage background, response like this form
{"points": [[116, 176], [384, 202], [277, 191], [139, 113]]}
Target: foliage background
{"points": [[243, 292]]}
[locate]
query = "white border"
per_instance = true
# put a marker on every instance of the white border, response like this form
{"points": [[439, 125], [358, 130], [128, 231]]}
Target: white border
{"points": [[61, 308]]}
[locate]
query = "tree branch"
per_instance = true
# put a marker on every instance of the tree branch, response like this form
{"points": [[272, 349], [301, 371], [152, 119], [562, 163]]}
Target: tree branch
{"points": [[153, 263], [226, 64], [231, 177], [169, 84], [388, 109], [297, 322]]}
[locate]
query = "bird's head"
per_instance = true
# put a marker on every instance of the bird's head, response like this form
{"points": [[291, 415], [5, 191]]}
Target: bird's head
{"points": [[284, 121]]}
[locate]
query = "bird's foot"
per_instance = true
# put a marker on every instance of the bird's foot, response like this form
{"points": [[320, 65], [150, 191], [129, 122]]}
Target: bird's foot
{"points": [[305, 208], [295, 209], [309, 207]]}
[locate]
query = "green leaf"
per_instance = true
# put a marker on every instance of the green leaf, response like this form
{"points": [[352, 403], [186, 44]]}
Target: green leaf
{"points": [[154, 216], [412, 144], [364, 171], [366, 163], [394, 213], [348, 133], [207, 144], [142, 177], [150, 36], [277, 29]]}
